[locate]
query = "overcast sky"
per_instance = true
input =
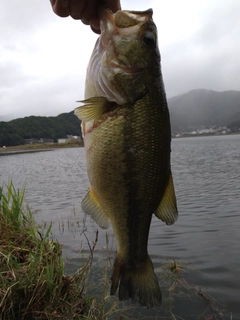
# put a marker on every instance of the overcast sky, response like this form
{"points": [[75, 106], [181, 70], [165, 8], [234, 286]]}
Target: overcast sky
{"points": [[43, 57]]}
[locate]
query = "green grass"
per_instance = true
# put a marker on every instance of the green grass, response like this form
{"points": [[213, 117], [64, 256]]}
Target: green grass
{"points": [[32, 280]]}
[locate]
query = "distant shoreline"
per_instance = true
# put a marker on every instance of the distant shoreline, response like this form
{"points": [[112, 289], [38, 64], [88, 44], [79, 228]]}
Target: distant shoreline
{"points": [[204, 135], [32, 148], [8, 153], [5, 151]]}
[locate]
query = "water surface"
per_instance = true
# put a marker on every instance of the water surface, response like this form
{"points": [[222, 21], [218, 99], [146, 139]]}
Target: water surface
{"points": [[205, 240]]}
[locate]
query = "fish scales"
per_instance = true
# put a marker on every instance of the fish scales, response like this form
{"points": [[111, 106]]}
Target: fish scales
{"points": [[127, 140]]}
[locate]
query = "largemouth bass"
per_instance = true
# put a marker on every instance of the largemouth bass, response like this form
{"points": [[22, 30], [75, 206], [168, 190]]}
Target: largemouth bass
{"points": [[126, 128]]}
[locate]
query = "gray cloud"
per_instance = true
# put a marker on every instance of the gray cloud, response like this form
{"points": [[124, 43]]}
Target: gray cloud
{"points": [[43, 58], [209, 57]]}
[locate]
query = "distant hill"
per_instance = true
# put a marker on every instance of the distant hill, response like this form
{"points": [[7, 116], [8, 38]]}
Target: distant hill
{"points": [[193, 110], [14, 132], [205, 108]]}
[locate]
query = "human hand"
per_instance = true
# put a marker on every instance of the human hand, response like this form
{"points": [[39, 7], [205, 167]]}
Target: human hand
{"points": [[85, 10]]}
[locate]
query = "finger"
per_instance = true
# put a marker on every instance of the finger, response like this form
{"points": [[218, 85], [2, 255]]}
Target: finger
{"points": [[97, 31], [52, 2], [95, 25], [114, 5], [90, 10], [61, 7], [76, 8]]}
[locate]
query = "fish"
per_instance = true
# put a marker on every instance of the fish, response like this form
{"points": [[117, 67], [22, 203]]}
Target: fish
{"points": [[127, 139]]}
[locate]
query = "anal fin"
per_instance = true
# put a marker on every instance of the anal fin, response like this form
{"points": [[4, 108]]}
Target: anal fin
{"points": [[167, 209], [92, 207]]}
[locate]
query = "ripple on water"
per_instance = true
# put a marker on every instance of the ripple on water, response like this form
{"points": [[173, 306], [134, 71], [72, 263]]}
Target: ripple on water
{"points": [[206, 173]]}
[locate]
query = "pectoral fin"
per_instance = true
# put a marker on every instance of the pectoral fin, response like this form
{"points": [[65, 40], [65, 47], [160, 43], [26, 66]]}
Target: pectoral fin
{"points": [[167, 209], [92, 109], [91, 206]]}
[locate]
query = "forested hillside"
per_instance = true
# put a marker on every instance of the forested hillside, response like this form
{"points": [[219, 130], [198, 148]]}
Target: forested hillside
{"points": [[15, 132]]}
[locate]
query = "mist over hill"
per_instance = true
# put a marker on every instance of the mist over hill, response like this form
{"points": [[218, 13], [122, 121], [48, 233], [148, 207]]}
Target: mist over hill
{"points": [[205, 108], [190, 111]]}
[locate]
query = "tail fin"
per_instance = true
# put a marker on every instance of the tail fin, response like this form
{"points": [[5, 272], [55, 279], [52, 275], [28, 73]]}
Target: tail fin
{"points": [[136, 282]]}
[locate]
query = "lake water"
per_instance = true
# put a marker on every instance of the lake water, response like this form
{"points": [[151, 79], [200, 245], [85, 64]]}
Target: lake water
{"points": [[205, 241]]}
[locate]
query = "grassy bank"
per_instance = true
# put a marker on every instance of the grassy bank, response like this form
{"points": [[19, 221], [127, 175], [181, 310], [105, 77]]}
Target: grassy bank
{"points": [[32, 280], [33, 284]]}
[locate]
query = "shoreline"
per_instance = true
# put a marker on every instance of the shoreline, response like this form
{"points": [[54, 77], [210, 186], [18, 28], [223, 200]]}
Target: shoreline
{"points": [[6, 151], [11, 152]]}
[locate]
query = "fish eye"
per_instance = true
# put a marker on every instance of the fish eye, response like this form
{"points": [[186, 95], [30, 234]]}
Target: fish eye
{"points": [[149, 39]]}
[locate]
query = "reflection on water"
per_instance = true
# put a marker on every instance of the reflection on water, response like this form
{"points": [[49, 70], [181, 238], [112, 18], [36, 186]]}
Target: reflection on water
{"points": [[205, 238]]}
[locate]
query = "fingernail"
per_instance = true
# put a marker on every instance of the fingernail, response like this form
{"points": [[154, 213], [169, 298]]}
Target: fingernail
{"points": [[97, 31], [95, 25], [65, 4]]}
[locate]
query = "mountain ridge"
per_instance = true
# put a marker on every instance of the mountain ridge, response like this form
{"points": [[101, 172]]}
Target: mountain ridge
{"points": [[204, 108], [196, 109]]}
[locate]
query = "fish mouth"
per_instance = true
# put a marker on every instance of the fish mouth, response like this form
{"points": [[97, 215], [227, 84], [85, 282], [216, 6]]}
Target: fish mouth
{"points": [[122, 23], [123, 18]]}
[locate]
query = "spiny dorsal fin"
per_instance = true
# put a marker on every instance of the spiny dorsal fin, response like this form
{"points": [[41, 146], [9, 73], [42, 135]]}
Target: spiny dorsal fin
{"points": [[167, 209], [91, 206], [92, 109]]}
